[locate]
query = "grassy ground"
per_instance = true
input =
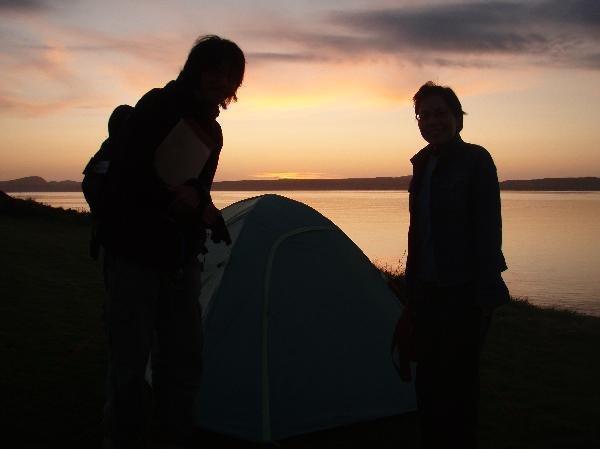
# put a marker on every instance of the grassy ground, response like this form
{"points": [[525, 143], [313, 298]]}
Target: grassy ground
{"points": [[540, 367]]}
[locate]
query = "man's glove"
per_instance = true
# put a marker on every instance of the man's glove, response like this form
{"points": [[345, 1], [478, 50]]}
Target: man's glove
{"points": [[219, 231]]}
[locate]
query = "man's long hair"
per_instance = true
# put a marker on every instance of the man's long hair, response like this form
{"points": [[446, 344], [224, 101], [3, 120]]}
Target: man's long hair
{"points": [[211, 52]]}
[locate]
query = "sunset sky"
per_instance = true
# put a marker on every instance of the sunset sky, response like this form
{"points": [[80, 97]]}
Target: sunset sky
{"points": [[328, 84]]}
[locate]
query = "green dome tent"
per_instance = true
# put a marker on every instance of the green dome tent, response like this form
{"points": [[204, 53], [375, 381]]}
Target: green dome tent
{"points": [[298, 325]]}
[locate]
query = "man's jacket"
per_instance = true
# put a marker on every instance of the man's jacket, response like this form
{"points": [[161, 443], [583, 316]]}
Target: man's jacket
{"points": [[466, 224], [140, 224]]}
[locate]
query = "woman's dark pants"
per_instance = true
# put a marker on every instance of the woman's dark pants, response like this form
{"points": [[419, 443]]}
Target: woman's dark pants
{"points": [[450, 333]]}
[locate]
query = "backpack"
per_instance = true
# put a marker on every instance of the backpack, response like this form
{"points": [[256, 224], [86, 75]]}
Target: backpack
{"points": [[95, 174]]}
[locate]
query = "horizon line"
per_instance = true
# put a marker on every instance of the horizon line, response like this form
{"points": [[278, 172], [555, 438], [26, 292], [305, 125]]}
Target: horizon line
{"points": [[315, 179]]}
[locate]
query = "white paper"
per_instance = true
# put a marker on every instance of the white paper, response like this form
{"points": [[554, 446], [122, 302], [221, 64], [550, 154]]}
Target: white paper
{"points": [[181, 155]]}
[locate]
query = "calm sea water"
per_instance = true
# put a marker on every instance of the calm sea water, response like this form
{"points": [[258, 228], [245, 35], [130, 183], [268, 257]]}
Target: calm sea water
{"points": [[551, 239]]}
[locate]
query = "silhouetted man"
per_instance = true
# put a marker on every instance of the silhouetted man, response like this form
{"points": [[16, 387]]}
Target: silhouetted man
{"points": [[158, 211]]}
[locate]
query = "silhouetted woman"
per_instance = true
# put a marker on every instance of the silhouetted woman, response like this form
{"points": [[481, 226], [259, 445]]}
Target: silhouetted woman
{"points": [[453, 267]]}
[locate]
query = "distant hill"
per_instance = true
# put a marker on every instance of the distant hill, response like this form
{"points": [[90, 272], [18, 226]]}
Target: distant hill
{"points": [[556, 184], [382, 183], [38, 184]]}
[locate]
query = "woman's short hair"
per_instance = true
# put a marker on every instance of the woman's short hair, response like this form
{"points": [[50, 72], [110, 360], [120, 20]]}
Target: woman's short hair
{"points": [[210, 52], [430, 89]]}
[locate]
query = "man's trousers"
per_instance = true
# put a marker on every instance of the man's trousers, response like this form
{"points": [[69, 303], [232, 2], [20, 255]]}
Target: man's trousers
{"points": [[150, 311]]}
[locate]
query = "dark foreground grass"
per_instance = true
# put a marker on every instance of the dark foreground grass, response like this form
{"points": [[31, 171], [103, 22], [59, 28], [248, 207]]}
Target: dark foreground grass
{"points": [[539, 382]]}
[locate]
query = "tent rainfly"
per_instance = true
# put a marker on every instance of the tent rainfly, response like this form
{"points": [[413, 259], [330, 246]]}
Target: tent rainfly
{"points": [[297, 326]]}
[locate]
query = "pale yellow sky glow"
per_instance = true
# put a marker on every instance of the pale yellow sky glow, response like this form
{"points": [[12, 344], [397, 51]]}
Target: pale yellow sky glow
{"points": [[293, 175], [328, 86]]}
